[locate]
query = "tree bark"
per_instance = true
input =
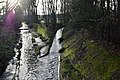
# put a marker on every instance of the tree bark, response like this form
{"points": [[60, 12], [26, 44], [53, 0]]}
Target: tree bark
{"points": [[108, 4], [118, 10]]}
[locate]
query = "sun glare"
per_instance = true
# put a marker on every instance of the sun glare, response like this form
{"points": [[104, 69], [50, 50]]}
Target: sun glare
{"points": [[10, 3], [13, 3]]}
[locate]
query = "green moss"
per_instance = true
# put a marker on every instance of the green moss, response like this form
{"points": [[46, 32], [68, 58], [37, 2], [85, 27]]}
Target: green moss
{"points": [[103, 64], [42, 31], [69, 53], [69, 72], [97, 63]]}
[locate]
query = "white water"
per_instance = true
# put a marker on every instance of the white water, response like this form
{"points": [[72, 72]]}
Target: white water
{"points": [[31, 66]]}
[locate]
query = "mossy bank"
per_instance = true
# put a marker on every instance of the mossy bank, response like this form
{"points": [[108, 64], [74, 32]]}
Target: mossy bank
{"points": [[85, 59]]}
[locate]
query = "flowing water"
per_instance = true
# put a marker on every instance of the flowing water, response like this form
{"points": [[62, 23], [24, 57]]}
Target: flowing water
{"points": [[30, 66]]}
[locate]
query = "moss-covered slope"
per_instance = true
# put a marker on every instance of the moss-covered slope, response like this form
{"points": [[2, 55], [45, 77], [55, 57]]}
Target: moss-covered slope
{"points": [[84, 59]]}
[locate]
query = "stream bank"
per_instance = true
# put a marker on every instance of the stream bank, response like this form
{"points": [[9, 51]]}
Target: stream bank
{"points": [[31, 65], [85, 59], [8, 40]]}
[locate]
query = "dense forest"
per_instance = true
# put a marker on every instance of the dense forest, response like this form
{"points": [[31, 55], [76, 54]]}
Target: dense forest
{"points": [[100, 17], [91, 40]]}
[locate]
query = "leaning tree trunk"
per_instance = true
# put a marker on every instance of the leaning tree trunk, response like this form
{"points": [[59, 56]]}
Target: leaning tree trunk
{"points": [[118, 10]]}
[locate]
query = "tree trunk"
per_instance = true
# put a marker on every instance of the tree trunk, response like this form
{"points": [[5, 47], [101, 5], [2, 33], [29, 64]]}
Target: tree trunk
{"points": [[108, 6], [118, 10], [115, 7]]}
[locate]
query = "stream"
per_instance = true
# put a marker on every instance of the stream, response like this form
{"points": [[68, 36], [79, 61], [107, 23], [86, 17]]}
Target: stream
{"points": [[27, 65]]}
